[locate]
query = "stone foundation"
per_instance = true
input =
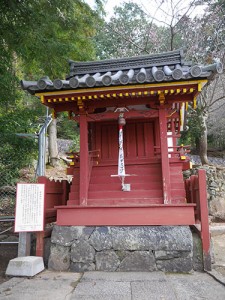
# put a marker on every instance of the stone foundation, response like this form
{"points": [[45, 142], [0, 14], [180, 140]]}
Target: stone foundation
{"points": [[116, 248]]}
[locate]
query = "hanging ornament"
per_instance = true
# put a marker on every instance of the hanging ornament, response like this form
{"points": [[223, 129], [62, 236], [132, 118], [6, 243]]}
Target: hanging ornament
{"points": [[121, 164]]}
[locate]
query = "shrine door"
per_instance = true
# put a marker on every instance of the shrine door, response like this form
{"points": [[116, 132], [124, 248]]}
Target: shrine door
{"points": [[138, 140]]}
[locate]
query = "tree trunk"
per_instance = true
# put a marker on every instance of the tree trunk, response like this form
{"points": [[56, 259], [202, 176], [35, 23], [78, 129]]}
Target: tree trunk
{"points": [[203, 141], [52, 143]]}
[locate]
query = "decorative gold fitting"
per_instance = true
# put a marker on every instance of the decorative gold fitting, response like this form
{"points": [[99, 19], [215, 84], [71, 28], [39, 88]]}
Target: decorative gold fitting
{"points": [[162, 98], [80, 104], [194, 103]]}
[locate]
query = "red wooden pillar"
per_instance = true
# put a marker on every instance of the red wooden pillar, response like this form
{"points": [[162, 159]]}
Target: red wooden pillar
{"points": [[164, 155], [83, 159], [40, 243], [205, 235]]}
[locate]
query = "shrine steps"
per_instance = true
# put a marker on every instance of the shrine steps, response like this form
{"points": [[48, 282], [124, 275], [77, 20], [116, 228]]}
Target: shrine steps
{"points": [[107, 204], [145, 185], [155, 214], [118, 202]]}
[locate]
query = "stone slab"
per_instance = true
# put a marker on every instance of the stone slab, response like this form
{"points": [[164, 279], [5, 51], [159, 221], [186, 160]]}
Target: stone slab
{"points": [[152, 290], [97, 290], [44, 286], [112, 286], [123, 276], [25, 266], [196, 286]]}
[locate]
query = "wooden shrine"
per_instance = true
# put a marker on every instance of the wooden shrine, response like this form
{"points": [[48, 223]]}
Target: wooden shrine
{"points": [[147, 98]]}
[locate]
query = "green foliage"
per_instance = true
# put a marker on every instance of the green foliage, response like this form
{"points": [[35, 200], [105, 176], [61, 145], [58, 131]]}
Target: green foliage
{"points": [[193, 134], [17, 152], [37, 37], [44, 34], [67, 129]]}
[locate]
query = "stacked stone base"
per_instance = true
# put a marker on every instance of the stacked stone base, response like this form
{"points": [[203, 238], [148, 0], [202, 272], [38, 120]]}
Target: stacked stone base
{"points": [[116, 248]]}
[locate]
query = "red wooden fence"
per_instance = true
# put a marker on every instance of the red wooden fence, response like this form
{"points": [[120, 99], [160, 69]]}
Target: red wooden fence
{"points": [[56, 193], [196, 192]]}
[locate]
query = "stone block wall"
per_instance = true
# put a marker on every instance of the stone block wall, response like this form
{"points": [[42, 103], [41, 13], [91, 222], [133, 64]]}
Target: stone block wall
{"points": [[116, 248]]}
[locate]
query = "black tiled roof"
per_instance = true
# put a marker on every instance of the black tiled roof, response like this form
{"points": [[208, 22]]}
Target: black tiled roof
{"points": [[155, 68]]}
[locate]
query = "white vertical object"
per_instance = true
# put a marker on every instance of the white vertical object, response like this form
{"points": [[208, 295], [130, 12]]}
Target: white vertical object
{"points": [[121, 164]]}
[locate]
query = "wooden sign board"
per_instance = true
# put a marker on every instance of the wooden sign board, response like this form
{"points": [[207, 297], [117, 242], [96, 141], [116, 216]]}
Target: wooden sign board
{"points": [[29, 207]]}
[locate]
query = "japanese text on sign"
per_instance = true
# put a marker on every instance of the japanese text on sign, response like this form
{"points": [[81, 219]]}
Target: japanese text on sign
{"points": [[29, 207]]}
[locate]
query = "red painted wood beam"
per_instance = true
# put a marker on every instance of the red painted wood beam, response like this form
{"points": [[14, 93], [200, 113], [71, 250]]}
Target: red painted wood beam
{"points": [[110, 115], [164, 155], [112, 102], [83, 159], [182, 214]]}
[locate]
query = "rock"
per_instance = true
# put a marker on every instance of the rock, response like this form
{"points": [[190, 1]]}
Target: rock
{"points": [[213, 184], [126, 248], [65, 235], [81, 251], [152, 238], [217, 209], [82, 267], [164, 255], [178, 265], [122, 254], [59, 258], [107, 261], [138, 261], [101, 238], [217, 230]]}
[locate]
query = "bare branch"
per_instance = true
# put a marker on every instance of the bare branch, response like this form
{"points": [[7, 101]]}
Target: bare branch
{"points": [[126, 39], [150, 25], [215, 109], [186, 12], [213, 91], [216, 100]]}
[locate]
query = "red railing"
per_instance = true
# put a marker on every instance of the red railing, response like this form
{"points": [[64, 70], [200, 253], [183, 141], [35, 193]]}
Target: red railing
{"points": [[196, 192], [174, 151], [93, 157]]}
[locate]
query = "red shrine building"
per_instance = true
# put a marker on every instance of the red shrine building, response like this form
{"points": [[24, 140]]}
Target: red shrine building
{"points": [[130, 112]]}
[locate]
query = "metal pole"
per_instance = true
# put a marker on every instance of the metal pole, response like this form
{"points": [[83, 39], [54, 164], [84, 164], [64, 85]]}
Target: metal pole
{"points": [[41, 147], [25, 237]]}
